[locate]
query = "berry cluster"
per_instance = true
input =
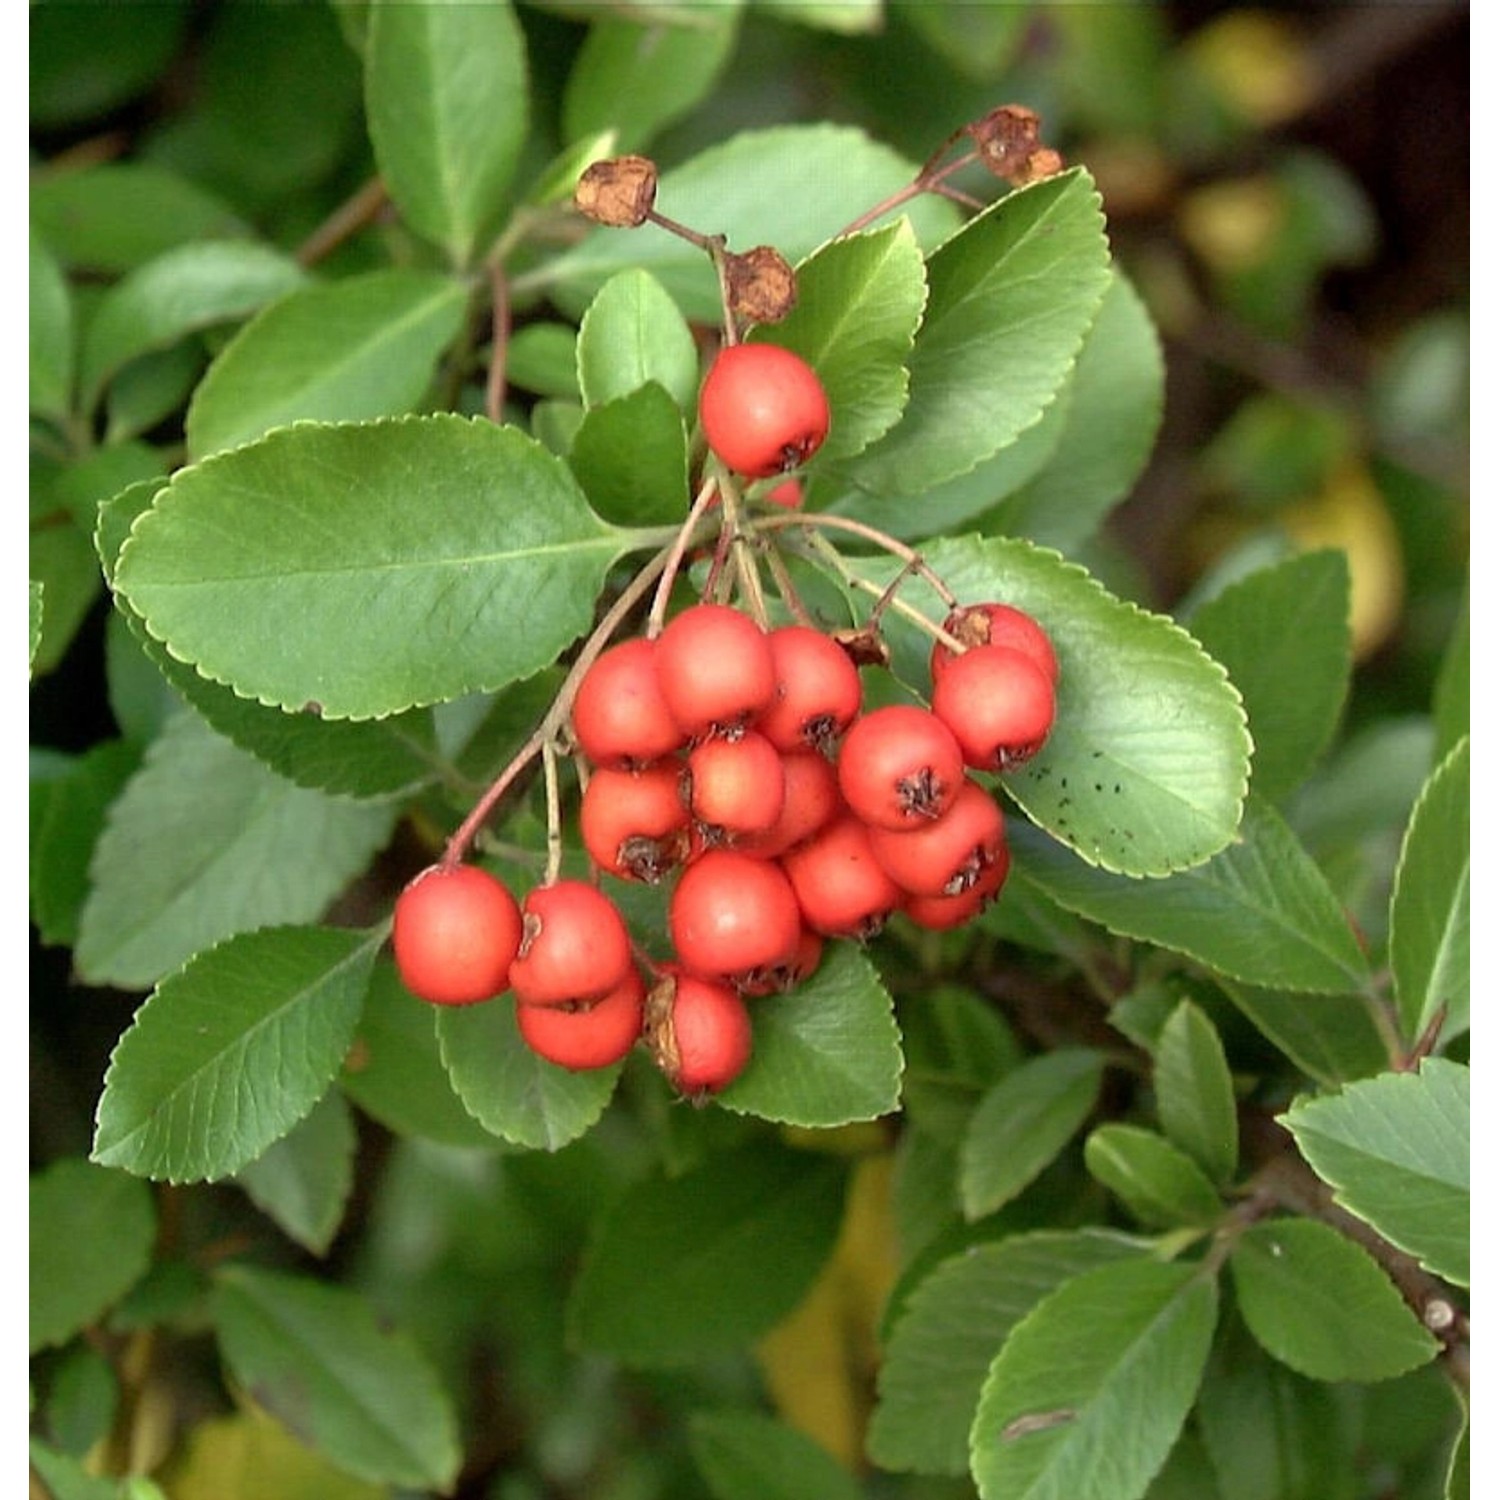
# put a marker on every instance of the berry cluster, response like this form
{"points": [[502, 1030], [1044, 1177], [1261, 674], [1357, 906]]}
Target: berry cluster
{"points": [[740, 763]]}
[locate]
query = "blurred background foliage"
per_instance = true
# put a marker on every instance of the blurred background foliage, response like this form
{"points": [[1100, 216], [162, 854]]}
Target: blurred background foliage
{"points": [[1288, 190]]}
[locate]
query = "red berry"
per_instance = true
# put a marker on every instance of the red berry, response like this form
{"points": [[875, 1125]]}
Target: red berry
{"points": [[735, 788], [841, 888], [940, 913], [633, 823], [787, 494], [818, 689], [899, 766], [998, 703], [620, 718], [811, 798], [763, 409], [596, 1035], [715, 668], [699, 1032], [575, 946], [733, 916], [455, 932], [996, 625], [948, 855]]}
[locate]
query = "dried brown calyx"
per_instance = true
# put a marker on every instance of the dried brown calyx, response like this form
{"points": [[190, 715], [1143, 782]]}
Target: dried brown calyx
{"points": [[760, 285], [619, 192], [1009, 140]]}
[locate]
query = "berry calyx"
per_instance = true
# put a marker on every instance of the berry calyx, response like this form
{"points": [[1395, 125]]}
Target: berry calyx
{"points": [[575, 947], [455, 933], [763, 409]]}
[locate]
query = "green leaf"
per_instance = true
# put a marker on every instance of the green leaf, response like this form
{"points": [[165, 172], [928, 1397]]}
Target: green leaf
{"points": [[845, 17], [1087, 1396], [205, 842], [66, 1477], [91, 1235], [49, 329], [1010, 298], [316, 1358], [1429, 941], [230, 1052], [68, 807], [1195, 1092], [637, 77], [61, 560], [1260, 911], [1272, 1434], [1283, 634], [743, 1455], [688, 1267], [631, 457], [85, 63], [303, 1181], [423, 558], [110, 217], [945, 1340], [827, 1052], [1395, 1149], [753, 190], [152, 389], [508, 1088], [1161, 1185], [957, 1044], [633, 333], [1145, 769], [180, 292], [1330, 1037], [859, 304], [394, 1070], [1023, 1122], [363, 347], [447, 103], [1321, 1305], [34, 612], [1110, 412], [543, 358]]}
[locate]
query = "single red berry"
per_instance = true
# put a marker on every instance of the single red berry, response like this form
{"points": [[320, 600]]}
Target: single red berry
{"points": [[811, 798], [455, 932], [735, 788], [698, 1031], [996, 625], [620, 718], [575, 946], [633, 823], [941, 913], [998, 703], [581, 1037], [899, 766], [818, 689], [732, 916], [948, 855], [841, 888], [715, 668], [763, 409]]}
